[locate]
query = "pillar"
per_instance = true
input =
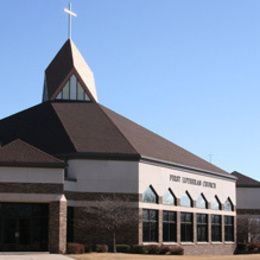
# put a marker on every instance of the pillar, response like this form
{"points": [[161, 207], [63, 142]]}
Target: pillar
{"points": [[58, 226]]}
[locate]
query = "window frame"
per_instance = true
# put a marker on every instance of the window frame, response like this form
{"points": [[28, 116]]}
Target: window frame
{"points": [[187, 228], [202, 227], [229, 229], [169, 226], [216, 226], [149, 224]]}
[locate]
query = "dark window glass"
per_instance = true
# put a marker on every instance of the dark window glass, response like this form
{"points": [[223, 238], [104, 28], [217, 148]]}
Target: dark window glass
{"points": [[202, 227], [150, 196], [70, 224], [150, 225], [229, 228], [216, 228], [169, 226], [186, 227]]}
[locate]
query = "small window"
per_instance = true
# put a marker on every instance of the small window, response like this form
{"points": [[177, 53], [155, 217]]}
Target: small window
{"points": [[73, 87], [150, 225], [228, 206], [150, 196], [186, 200], [201, 202], [229, 228], [80, 92], [216, 228], [186, 227], [216, 204], [169, 226], [169, 198], [59, 96], [202, 227], [66, 91]]}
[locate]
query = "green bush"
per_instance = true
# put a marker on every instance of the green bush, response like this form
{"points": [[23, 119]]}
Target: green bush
{"points": [[165, 250], [138, 249], [88, 248], [122, 248], [153, 249], [101, 248], [75, 248], [176, 250]]}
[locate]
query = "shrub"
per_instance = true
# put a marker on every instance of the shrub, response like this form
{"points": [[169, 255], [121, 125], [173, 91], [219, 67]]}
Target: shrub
{"points": [[75, 248], [176, 250], [123, 248], [88, 248], [153, 249], [138, 249], [164, 250], [254, 246], [101, 248]]}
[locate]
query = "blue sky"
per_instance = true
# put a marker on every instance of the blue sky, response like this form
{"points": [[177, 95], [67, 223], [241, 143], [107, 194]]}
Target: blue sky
{"points": [[188, 70]]}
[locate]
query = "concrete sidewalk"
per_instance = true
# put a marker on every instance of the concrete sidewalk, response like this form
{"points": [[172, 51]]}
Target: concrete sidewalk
{"points": [[32, 256]]}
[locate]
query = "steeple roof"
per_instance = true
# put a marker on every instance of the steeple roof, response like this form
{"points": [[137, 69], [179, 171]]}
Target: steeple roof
{"points": [[68, 61]]}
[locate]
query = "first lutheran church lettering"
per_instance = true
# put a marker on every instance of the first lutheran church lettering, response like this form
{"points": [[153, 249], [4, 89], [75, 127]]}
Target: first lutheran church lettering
{"points": [[192, 181]]}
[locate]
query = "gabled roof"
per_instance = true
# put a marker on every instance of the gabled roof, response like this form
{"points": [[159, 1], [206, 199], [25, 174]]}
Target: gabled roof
{"points": [[20, 153], [245, 181], [72, 129], [67, 60]]}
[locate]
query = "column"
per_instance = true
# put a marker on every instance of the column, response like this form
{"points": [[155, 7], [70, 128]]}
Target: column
{"points": [[58, 226]]}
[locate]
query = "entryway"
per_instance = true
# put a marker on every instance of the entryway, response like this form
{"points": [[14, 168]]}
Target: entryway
{"points": [[23, 227]]}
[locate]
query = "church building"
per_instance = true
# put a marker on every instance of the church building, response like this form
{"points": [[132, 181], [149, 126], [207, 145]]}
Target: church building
{"points": [[61, 156]]}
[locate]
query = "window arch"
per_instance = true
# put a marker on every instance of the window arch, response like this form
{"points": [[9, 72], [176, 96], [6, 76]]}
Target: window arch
{"points": [[186, 200], [150, 195], [201, 202], [169, 198], [228, 205], [215, 204]]}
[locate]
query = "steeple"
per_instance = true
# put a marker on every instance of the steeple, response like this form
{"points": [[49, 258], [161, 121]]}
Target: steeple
{"points": [[68, 77]]}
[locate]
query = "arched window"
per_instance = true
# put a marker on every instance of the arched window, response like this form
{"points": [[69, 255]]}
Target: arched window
{"points": [[228, 205], [186, 200], [201, 202], [169, 198], [215, 204], [150, 196]]}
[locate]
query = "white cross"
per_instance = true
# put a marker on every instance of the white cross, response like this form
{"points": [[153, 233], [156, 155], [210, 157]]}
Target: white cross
{"points": [[70, 14]]}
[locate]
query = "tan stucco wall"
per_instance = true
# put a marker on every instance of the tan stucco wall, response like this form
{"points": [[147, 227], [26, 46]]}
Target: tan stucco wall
{"points": [[159, 178], [102, 176]]}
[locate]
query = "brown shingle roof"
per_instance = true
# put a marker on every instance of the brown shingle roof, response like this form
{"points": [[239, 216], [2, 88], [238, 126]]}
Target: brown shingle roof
{"points": [[89, 129], [245, 181], [20, 153], [152, 145]]}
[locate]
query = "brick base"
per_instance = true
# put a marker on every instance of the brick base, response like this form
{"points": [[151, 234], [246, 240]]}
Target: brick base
{"points": [[209, 249], [89, 232]]}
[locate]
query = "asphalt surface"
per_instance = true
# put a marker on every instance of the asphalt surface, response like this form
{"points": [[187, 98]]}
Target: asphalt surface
{"points": [[32, 256]]}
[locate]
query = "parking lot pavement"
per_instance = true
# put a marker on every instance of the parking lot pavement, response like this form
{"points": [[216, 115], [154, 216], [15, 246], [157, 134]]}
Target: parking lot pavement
{"points": [[32, 256]]}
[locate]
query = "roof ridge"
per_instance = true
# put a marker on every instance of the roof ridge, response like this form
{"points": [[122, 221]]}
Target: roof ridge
{"points": [[63, 125], [107, 116]]}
